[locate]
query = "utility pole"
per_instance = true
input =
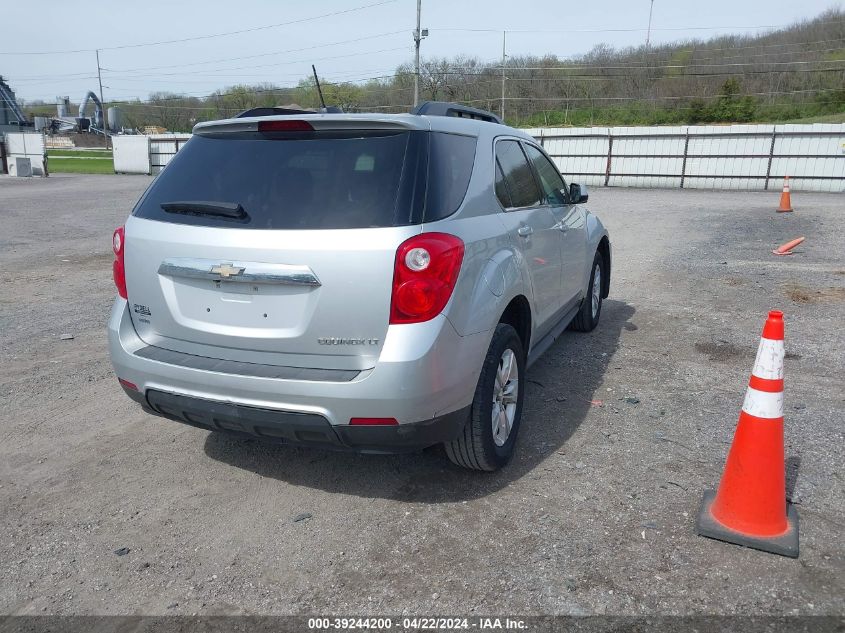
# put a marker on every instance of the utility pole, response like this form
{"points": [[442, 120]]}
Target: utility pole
{"points": [[417, 38], [504, 36], [103, 111], [648, 35]]}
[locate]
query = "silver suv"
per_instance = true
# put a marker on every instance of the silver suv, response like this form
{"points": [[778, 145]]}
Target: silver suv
{"points": [[370, 282]]}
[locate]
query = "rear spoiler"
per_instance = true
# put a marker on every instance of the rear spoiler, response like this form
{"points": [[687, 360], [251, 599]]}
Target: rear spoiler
{"points": [[276, 111], [317, 121]]}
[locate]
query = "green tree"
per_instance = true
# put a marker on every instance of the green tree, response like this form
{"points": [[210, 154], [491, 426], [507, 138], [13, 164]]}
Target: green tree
{"points": [[730, 106]]}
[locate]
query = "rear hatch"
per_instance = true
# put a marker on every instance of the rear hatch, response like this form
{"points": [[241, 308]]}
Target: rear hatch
{"points": [[277, 247]]}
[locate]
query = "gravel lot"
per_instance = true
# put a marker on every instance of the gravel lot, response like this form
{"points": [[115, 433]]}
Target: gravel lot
{"points": [[594, 515]]}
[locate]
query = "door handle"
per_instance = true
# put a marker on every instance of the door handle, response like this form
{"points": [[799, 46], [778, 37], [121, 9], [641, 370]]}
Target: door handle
{"points": [[524, 231]]}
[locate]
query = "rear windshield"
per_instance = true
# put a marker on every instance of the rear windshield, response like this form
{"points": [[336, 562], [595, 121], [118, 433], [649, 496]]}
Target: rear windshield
{"points": [[320, 180]]}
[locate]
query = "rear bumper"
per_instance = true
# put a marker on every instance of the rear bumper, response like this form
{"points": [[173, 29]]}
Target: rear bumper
{"points": [[300, 429], [425, 378]]}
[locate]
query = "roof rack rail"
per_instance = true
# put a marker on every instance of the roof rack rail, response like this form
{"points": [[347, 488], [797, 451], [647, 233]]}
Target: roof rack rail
{"points": [[445, 108]]}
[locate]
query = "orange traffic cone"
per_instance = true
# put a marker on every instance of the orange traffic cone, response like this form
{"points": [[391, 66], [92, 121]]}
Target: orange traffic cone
{"points": [[785, 200], [786, 249], [750, 506]]}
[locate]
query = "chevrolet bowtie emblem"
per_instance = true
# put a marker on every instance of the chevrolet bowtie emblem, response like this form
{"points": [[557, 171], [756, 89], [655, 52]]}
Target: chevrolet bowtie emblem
{"points": [[226, 270]]}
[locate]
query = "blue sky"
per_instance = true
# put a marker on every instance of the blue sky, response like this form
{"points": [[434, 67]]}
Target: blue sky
{"points": [[353, 45]]}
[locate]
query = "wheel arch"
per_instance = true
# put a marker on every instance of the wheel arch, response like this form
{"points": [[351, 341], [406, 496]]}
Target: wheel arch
{"points": [[604, 250], [517, 314]]}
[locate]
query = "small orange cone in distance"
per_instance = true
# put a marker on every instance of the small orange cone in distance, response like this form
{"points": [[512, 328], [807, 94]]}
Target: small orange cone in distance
{"points": [[785, 200], [750, 506], [785, 249]]}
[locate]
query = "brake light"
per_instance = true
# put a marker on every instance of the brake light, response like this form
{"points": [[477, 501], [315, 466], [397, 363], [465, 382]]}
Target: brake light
{"points": [[373, 422], [118, 269], [424, 276], [285, 126]]}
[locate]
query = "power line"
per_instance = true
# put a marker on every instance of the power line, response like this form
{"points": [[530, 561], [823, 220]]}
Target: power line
{"points": [[704, 48], [583, 76], [588, 77], [816, 51], [283, 52], [287, 63], [491, 67], [486, 68], [666, 98], [667, 66], [635, 30], [574, 74], [584, 61], [288, 88], [301, 61], [205, 37]]}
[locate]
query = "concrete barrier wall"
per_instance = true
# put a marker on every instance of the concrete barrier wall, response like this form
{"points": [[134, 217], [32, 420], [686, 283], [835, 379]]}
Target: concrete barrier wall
{"points": [[749, 157]]}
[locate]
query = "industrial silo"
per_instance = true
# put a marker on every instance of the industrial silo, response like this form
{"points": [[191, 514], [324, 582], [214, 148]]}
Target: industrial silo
{"points": [[62, 106], [115, 119]]}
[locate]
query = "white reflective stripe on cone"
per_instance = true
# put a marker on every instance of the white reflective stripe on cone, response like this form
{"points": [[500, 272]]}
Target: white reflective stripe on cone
{"points": [[769, 361], [763, 404]]}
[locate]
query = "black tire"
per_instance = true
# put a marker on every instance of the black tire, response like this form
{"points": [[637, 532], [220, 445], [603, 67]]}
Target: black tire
{"points": [[476, 447], [585, 320]]}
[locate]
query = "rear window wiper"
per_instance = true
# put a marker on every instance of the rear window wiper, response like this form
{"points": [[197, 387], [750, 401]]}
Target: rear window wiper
{"points": [[230, 210]]}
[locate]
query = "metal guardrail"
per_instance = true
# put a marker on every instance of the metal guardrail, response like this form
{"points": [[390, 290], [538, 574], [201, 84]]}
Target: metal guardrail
{"points": [[770, 156]]}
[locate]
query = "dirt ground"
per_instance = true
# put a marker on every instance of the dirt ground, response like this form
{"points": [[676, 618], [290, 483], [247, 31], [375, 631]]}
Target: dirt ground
{"points": [[623, 431]]}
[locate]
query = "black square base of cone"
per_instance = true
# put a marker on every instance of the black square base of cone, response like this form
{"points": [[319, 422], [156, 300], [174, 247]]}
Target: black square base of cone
{"points": [[785, 544]]}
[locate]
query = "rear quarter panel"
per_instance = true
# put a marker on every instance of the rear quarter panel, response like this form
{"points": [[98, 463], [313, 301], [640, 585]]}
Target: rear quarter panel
{"points": [[492, 273]]}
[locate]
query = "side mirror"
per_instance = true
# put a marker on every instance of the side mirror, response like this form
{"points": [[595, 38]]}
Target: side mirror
{"points": [[578, 193]]}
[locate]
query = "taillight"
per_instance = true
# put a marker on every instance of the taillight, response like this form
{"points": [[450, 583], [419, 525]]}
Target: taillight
{"points": [[118, 270], [285, 126], [424, 276]]}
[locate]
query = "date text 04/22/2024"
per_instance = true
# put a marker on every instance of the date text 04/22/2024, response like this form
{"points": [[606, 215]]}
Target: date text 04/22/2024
{"points": [[417, 623]]}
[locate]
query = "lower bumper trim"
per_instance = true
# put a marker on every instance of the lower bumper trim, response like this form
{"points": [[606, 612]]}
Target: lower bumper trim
{"points": [[302, 429]]}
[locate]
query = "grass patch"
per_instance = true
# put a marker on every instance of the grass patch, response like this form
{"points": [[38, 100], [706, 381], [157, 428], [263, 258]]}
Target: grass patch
{"points": [[82, 153], [66, 165], [824, 118]]}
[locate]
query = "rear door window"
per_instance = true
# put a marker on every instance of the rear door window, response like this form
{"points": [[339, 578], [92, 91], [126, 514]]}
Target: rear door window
{"points": [[520, 180], [550, 179], [502, 192], [311, 181]]}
